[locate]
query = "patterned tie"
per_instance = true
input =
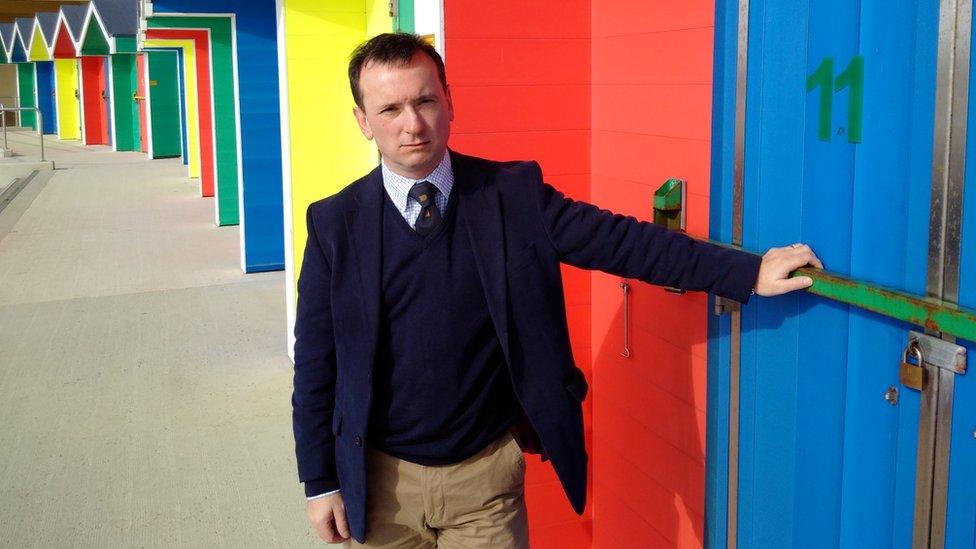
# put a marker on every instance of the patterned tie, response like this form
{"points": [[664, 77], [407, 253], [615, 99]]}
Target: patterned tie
{"points": [[424, 193]]}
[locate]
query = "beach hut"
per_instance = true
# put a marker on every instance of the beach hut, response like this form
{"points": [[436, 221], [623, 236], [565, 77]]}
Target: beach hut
{"points": [[26, 77], [66, 93], [39, 51], [246, 111], [109, 29], [93, 88]]}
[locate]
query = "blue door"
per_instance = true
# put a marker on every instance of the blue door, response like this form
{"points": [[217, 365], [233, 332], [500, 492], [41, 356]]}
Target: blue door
{"points": [[837, 152], [45, 95]]}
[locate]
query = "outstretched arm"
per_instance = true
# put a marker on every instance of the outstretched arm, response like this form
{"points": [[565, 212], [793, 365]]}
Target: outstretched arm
{"points": [[593, 238]]}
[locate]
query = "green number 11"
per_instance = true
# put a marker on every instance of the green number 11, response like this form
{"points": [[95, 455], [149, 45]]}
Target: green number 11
{"points": [[852, 77]]}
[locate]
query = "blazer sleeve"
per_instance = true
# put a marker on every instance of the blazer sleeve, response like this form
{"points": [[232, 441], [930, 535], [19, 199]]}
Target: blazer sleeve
{"points": [[313, 399], [586, 236]]}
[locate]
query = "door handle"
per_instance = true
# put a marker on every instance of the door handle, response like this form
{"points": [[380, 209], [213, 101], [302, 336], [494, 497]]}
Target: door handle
{"points": [[137, 97]]}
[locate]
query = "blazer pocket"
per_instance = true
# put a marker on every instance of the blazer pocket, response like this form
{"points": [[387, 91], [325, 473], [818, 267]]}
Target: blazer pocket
{"points": [[524, 257], [336, 423]]}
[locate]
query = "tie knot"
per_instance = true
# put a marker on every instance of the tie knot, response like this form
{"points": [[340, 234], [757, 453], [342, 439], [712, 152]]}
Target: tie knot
{"points": [[423, 193]]}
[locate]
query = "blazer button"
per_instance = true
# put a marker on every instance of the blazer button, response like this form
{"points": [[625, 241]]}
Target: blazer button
{"points": [[358, 441]]}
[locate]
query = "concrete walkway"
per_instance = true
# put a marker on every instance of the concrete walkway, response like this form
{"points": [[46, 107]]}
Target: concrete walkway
{"points": [[144, 384]]}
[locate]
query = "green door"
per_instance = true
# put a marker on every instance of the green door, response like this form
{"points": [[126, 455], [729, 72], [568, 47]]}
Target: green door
{"points": [[125, 103], [27, 88], [163, 90]]}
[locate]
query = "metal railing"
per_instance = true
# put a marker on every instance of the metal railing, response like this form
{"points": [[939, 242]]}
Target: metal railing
{"points": [[933, 314], [39, 122]]}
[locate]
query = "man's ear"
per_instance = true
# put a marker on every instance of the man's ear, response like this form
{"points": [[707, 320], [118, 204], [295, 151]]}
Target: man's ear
{"points": [[363, 123]]}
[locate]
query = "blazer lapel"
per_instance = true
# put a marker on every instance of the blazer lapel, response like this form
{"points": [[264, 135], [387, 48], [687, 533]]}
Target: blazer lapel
{"points": [[482, 215], [364, 225]]}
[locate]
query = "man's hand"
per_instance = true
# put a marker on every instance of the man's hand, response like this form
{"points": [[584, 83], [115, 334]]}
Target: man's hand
{"points": [[328, 517], [777, 265]]}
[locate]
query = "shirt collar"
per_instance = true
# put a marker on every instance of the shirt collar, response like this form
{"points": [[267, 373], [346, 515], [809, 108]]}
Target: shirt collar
{"points": [[398, 186]]}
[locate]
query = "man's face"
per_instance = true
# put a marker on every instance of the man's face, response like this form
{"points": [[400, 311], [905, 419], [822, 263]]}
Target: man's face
{"points": [[408, 112]]}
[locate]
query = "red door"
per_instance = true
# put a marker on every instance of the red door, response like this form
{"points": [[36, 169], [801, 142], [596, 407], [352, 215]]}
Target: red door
{"points": [[93, 95], [141, 98]]}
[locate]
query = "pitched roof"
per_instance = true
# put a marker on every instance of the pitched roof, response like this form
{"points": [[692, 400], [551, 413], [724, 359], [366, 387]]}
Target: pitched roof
{"points": [[49, 25], [25, 28], [7, 35], [75, 17], [121, 17]]}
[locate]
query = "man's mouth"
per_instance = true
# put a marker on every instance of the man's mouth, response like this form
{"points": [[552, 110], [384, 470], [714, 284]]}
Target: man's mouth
{"points": [[415, 145]]}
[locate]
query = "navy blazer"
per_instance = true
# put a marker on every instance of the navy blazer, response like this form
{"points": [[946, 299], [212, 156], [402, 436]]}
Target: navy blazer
{"points": [[521, 229]]}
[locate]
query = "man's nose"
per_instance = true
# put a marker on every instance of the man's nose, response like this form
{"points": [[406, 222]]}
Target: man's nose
{"points": [[412, 122]]}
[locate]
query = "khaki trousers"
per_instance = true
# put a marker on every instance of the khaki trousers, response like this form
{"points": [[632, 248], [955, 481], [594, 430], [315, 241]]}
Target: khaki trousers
{"points": [[476, 503]]}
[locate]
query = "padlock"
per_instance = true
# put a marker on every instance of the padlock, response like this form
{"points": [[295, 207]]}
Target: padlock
{"points": [[912, 375]]}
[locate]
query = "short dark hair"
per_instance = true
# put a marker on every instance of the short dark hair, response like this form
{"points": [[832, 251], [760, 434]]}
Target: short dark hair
{"points": [[393, 48]]}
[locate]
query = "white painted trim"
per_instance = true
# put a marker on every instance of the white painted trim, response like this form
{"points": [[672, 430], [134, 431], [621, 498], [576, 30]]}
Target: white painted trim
{"points": [[113, 135], [37, 98], [184, 112], [286, 184], [149, 140], [240, 144], [441, 36], [17, 83]]}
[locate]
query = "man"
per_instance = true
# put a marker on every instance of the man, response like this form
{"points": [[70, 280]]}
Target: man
{"points": [[431, 338]]}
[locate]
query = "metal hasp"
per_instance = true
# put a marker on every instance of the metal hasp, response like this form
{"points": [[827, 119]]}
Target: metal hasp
{"points": [[669, 200], [669, 210], [942, 275], [939, 352], [626, 289], [930, 313]]}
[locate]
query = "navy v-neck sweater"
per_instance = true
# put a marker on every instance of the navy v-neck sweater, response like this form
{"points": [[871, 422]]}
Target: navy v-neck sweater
{"points": [[441, 387]]}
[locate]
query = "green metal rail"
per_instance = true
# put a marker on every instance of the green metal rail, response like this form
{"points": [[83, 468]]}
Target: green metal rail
{"points": [[930, 313], [933, 314]]}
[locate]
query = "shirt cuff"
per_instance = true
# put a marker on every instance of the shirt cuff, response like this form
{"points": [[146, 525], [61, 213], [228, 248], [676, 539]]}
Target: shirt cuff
{"points": [[320, 496]]}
